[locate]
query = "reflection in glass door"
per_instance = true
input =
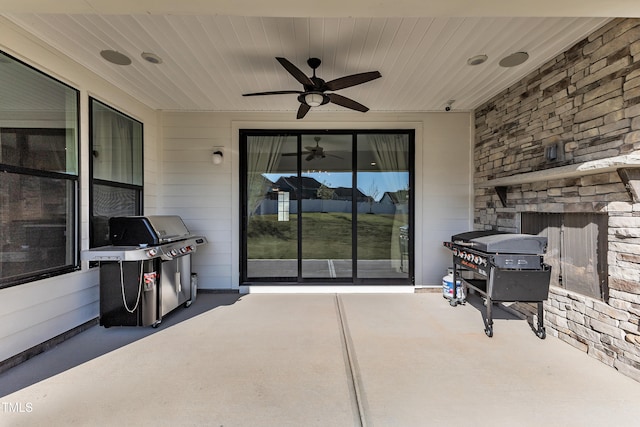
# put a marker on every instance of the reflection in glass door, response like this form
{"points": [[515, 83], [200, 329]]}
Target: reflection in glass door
{"points": [[383, 217], [271, 248], [326, 221], [327, 207]]}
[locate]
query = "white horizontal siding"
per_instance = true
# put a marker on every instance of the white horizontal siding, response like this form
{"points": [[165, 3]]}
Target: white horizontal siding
{"points": [[36, 312], [32, 317], [21, 299], [33, 313], [447, 205]]}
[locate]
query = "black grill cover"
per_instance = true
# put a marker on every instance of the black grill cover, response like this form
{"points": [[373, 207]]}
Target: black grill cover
{"points": [[490, 241]]}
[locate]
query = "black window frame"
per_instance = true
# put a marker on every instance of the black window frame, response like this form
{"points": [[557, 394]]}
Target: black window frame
{"points": [[139, 198], [73, 178]]}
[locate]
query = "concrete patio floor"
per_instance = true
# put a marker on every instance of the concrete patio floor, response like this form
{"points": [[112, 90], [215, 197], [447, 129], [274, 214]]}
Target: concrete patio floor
{"points": [[318, 360]]}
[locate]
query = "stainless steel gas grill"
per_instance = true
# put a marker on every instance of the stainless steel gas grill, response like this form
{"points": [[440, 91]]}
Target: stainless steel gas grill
{"points": [[505, 267], [146, 272]]}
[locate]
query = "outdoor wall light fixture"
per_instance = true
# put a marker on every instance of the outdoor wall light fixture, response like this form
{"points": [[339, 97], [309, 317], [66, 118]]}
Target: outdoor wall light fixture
{"points": [[217, 157]]}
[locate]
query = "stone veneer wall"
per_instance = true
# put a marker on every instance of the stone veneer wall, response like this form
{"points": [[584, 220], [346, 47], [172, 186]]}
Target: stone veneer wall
{"points": [[587, 101]]}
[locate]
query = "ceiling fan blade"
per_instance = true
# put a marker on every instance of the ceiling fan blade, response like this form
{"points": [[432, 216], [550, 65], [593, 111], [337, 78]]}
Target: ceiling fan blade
{"points": [[276, 92], [347, 103], [296, 154], [302, 111], [295, 72], [352, 80], [310, 157]]}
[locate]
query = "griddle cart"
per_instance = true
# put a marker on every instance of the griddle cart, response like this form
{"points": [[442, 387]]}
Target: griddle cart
{"points": [[506, 267]]}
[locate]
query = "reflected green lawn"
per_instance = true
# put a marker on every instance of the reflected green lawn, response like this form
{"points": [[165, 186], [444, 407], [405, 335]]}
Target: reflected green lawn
{"points": [[324, 236]]}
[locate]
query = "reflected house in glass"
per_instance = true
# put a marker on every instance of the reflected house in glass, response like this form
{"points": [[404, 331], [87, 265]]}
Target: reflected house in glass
{"points": [[395, 197], [310, 189], [343, 193], [304, 186]]}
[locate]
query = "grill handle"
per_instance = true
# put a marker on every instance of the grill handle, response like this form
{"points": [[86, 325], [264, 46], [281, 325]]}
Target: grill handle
{"points": [[467, 244]]}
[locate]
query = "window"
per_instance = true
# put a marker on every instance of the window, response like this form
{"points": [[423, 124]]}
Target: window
{"points": [[38, 174], [116, 169], [283, 206]]}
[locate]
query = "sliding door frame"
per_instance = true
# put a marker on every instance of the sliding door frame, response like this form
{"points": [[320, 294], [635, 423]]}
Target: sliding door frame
{"points": [[244, 134]]}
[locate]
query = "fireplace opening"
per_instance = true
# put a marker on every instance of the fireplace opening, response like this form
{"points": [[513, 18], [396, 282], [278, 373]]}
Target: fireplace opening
{"points": [[576, 251]]}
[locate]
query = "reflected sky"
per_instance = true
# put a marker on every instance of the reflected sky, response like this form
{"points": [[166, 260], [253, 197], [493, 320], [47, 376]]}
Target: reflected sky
{"points": [[369, 183]]}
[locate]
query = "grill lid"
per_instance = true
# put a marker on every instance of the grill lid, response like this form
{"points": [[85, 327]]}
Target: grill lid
{"points": [[500, 242], [146, 230]]}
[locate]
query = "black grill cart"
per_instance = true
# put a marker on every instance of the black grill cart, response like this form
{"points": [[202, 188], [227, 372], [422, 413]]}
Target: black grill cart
{"points": [[506, 267]]}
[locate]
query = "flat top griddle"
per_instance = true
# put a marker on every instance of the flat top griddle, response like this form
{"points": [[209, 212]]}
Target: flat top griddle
{"points": [[505, 267], [499, 242]]}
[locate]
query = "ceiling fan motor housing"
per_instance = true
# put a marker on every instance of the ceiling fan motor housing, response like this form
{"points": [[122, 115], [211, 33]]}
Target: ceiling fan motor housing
{"points": [[314, 63]]}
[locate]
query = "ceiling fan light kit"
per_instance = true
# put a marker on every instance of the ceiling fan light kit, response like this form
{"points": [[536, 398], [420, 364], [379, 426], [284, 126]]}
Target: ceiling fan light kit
{"points": [[314, 88], [311, 152], [314, 99]]}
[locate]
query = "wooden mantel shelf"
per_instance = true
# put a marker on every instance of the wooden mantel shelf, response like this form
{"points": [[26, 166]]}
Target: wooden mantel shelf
{"points": [[610, 164]]}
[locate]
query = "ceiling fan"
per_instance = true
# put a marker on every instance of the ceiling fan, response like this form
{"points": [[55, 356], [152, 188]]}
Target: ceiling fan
{"points": [[314, 94], [316, 152]]}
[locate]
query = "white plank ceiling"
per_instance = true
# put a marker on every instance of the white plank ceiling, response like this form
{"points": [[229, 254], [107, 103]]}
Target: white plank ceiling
{"points": [[210, 60]]}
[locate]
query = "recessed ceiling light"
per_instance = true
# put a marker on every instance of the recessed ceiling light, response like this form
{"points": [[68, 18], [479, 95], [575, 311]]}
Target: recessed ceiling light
{"points": [[477, 60], [115, 57], [151, 57], [514, 59]]}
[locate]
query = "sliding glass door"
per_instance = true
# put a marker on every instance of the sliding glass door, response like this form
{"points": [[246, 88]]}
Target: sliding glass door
{"points": [[326, 180], [271, 232], [383, 218], [326, 207]]}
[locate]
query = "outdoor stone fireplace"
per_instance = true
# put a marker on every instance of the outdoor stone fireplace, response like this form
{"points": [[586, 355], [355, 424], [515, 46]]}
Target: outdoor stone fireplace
{"points": [[565, 142]]}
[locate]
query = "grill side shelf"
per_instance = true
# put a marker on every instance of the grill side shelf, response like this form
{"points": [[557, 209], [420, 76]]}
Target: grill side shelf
{"points": [[479, 285]]}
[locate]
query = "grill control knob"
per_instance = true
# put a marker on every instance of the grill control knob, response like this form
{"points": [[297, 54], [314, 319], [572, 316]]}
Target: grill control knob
{"points": [[173, 252], [152, 252], [183, 250]]}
